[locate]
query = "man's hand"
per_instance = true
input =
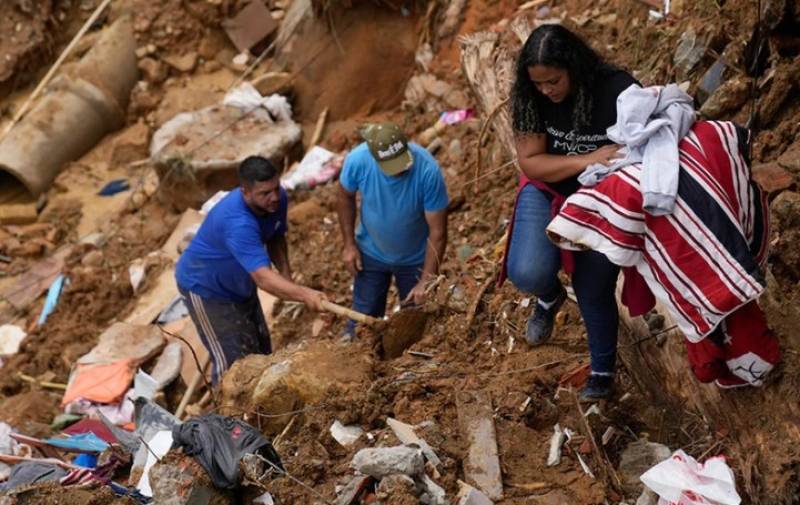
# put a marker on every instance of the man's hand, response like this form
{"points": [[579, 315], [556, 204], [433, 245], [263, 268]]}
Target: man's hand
{"points": [[417, 295], [352, 259], [313, 299]]}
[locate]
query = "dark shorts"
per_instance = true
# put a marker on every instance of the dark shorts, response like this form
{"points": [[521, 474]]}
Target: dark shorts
{"points": [[229, 331]]}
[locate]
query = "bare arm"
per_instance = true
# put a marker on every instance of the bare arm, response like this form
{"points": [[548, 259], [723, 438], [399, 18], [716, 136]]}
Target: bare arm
{"points": [[434, 254], [278, 251], [437, 243], [276, 284], [346, 209], [538, 165]]}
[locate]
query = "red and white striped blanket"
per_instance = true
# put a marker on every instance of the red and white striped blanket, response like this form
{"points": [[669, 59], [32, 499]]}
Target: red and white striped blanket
{"points": [[703, 261]]}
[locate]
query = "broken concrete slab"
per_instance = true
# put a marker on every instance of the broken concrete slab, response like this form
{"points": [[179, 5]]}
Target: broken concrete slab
{"points": [[432, 493], [123, 341], [345, 435], [482, 464], [406, 434], [382, 461], [728, 97], [251, 25], [292, 378], [198, 153], [468, 495], [636, 459]]}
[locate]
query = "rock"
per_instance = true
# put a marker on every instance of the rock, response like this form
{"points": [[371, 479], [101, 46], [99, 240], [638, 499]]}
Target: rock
{"points": [[728, 97], [96, 239], [790, 159], [400, 488], [405, 433], [180, 480], [771, 177], [153, 70], [636, 459], [468, 495], [292, 378], [432, 493], [782, 85], [382, 461], [688, 53], [785, 210], [93, 259], [131, 144], [274, 82], [183, 63]]}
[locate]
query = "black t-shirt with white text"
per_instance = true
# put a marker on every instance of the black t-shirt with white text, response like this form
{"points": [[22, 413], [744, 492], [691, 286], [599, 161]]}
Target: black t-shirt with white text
{"points": [[561, 135]]}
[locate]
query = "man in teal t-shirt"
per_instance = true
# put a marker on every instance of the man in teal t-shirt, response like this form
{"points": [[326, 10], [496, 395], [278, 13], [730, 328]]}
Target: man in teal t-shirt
{"points": [[402, 231]]}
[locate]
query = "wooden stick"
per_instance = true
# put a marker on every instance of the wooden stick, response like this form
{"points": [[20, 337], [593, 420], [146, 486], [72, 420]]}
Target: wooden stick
{"points": [[191, 389], [605, 465], [323, 116], [44, 384], [352, 314], [22, 110], [489, 119]]}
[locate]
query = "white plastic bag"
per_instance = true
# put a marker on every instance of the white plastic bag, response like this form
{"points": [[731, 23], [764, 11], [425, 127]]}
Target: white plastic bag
{"points": [[681, 480], [246, 98]]}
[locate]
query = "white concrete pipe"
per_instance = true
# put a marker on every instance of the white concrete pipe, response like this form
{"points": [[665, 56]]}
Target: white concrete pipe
{"points": [[81, 107]]}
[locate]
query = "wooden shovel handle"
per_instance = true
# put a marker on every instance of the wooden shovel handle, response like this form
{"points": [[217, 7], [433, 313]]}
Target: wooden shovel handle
{"points": [[352, 314]]}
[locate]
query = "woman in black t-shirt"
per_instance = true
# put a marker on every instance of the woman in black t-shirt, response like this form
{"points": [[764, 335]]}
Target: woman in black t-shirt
{"points": [[563, 100]]}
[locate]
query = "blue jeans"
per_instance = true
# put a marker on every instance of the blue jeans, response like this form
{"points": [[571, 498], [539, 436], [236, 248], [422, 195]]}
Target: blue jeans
{"points": [[533, 265], [371, 286]]}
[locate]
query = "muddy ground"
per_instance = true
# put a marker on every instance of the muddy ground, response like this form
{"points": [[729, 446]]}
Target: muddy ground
{"points": [[475, 333]]}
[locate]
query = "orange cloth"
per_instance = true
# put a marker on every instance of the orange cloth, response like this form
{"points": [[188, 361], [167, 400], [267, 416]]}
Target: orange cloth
{"points": [[100, 383]]}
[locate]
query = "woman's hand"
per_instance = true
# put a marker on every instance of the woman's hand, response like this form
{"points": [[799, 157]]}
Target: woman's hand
{"points": [[605, 155]]}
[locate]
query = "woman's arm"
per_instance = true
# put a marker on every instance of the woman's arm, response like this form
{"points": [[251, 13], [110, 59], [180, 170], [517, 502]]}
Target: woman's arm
{"points": [[538, 165]]}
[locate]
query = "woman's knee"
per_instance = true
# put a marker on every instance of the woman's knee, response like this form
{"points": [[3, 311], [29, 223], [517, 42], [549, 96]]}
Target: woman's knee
{"points": [[531, 278]]}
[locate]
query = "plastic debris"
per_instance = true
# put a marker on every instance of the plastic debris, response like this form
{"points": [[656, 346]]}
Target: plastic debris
{"points": [[84, 442], [11, 336], [159, 446], [556, 441], [317, 167], [114, 187], [345, 435], [52, 298], [681, 480]]}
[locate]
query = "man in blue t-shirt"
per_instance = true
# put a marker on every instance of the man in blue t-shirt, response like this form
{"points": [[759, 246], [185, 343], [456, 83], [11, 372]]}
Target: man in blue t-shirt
{"points": [[226, 262], [403, 220]]}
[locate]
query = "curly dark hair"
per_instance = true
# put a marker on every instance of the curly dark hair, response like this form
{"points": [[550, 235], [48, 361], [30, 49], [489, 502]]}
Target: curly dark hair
{"points": [[555, 46]]}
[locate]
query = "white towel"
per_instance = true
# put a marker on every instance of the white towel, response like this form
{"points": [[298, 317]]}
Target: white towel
{"points": [[650, 124]]}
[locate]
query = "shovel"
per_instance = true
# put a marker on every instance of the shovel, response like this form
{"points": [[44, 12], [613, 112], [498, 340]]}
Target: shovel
{"points": [[403, 329]]}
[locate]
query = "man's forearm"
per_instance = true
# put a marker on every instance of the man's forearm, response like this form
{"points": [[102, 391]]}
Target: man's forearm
{"points": [[346, 209], [277, 285], [434, 254], [278, 250]]}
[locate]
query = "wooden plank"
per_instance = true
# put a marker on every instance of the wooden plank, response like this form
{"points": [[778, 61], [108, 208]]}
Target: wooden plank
{"points": [[151, 303], [30, 285], [189, 219], [482, 464]]}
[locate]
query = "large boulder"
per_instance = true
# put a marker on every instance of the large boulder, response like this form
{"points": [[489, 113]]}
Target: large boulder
{"points": [[291, 379]]}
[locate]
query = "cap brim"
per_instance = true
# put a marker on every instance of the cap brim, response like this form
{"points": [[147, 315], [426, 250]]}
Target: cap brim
{"points": [[398, 164]]}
